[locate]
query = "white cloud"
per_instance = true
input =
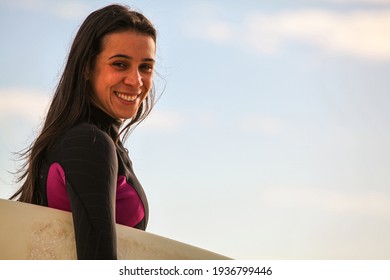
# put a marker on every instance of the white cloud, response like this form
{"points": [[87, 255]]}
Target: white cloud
{"points": [[70, 9], [212, 30], [163, 120], [370, 2], [367, 202], [363, 34], [28, 103], [67, 10], [267, 125]]}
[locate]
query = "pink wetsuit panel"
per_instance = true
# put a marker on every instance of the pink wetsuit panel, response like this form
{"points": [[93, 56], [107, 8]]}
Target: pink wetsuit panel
{"points": [[57, 196], [129, 207]]}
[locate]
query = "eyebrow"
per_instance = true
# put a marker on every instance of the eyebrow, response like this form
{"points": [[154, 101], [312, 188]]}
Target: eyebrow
{"points": [[129, 57]]}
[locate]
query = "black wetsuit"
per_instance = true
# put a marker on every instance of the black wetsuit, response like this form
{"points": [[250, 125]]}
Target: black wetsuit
{"points": [[87, 173]]}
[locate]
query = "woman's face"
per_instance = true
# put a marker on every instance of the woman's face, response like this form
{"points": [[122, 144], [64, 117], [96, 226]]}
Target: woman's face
{"points": [[123, 73]]}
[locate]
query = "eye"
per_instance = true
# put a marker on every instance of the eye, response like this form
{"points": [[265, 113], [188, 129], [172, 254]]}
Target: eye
{"points": [[120, 65], [146, 67]]}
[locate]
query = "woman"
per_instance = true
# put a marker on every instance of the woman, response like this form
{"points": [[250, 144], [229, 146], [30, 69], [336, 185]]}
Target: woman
{"points": [[78, 162]]}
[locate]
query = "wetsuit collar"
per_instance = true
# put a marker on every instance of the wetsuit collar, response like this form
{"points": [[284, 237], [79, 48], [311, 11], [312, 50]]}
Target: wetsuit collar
{"points": [[105, 122]]}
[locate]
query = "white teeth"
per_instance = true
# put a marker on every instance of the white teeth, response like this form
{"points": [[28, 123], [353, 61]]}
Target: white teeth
{"points": [[126, 97]]}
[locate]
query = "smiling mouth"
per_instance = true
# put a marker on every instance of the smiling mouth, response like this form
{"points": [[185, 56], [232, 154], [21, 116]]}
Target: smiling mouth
{"points": [[126, 97]]}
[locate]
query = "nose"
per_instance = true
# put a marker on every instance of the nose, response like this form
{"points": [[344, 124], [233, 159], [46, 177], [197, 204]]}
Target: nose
{"points": [[133, 78]]}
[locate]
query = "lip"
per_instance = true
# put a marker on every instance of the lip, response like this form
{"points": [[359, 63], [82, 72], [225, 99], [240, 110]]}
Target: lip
{"points": [[126, 96], [130, 93]]}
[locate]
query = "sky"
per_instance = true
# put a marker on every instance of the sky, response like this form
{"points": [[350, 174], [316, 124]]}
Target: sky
{"points": [[270, 136]]}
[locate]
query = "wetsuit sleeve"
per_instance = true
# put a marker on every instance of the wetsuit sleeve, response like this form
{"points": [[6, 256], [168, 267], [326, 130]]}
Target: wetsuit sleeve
{"points": [[90, 165]]}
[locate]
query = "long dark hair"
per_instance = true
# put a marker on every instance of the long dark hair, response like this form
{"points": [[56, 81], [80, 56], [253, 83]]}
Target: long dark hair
{"points": [[73, 96]]}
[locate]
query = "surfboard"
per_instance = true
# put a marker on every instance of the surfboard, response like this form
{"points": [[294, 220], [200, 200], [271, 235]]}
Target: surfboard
{"points": [[29, 231]]}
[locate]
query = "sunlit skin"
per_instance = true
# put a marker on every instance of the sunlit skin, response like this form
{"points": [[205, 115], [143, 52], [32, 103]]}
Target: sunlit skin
{"points": [[123, 73]]}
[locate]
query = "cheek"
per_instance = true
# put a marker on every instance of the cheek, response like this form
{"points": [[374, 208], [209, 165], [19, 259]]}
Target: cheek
{"points": [[98, 82], [99, 90], [145, 96], [148, 82], [149, 87]]}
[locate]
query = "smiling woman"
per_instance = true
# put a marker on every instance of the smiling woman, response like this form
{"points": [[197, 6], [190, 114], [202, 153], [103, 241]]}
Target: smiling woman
{"points": [[78, 162]]}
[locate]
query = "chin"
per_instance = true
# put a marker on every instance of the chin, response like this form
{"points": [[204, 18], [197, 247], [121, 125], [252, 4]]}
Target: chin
{"points": [[126, 116]]}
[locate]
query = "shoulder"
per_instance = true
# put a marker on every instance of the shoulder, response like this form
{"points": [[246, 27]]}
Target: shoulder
{"points": [[88, 137], [86, 132]]}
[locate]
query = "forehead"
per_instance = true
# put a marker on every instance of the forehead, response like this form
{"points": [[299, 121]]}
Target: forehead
{"points": [[129, 43]]}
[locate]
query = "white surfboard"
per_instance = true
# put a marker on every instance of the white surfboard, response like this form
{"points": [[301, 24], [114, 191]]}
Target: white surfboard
{"points": [[35, 232]]}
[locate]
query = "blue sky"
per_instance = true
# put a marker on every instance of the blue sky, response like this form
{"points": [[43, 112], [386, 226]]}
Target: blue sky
{"points": [[271, 137]]}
